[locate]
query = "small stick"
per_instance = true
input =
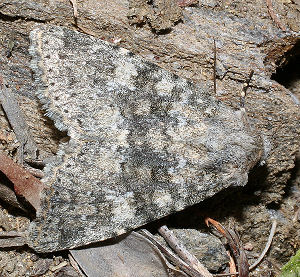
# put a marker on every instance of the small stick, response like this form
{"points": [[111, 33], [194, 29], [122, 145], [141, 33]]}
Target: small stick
{"points": [[75, 11], [274, 16], [216, 224], [35, 171], [215, 68], [263, 253], [170, 255], [238, 252], [268, 244], [75, 265], [232, 266], [182, 252]]}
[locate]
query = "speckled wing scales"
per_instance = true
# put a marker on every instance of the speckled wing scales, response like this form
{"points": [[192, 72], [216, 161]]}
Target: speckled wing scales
{"points": [[143, 142]]}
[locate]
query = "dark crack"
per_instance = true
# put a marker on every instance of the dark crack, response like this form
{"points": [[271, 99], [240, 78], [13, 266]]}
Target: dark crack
{"points": [[11, 18]]}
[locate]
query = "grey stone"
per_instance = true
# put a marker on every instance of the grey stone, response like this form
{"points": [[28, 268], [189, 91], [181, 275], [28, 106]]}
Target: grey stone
{"points": [[144, 142], [207, 248]]}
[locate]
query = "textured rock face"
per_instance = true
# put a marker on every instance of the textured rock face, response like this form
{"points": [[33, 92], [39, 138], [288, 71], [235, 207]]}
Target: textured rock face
{"points": [[207, 248], [143, 142]]}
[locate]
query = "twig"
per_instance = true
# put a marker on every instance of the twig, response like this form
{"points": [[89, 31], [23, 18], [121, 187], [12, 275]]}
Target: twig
{"points": [[263, 253], [35, 171], [16, 120], [170, 255], [215, 68], [75, 11], [235, 246], [239, 253], [75, 265], [268, 244], [274, 16], [216, 224], [232, 266], [182, 252]]}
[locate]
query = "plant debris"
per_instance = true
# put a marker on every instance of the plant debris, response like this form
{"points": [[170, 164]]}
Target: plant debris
{"points": [[238, 249], [25, 184]]}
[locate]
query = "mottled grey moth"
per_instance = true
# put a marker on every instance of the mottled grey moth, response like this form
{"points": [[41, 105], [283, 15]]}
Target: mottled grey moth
{"points": [[144, 142]]}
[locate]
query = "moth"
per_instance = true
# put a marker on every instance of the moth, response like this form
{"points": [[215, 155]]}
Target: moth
{"points": [[143, 142]]}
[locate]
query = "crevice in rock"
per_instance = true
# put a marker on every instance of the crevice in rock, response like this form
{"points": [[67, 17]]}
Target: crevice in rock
{"points": [[11, 18], [292, 188], [273, 206], [288, 70]]}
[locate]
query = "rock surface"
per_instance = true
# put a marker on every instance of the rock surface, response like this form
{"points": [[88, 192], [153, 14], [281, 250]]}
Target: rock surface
{"points": [[207, 248]]}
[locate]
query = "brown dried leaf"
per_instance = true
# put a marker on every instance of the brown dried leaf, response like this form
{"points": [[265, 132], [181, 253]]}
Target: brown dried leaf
{"points": [[25, 184], [235, 246]]}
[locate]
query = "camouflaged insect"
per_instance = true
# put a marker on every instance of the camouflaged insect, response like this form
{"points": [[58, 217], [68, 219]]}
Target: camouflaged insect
{"points": [[144, 142]]}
